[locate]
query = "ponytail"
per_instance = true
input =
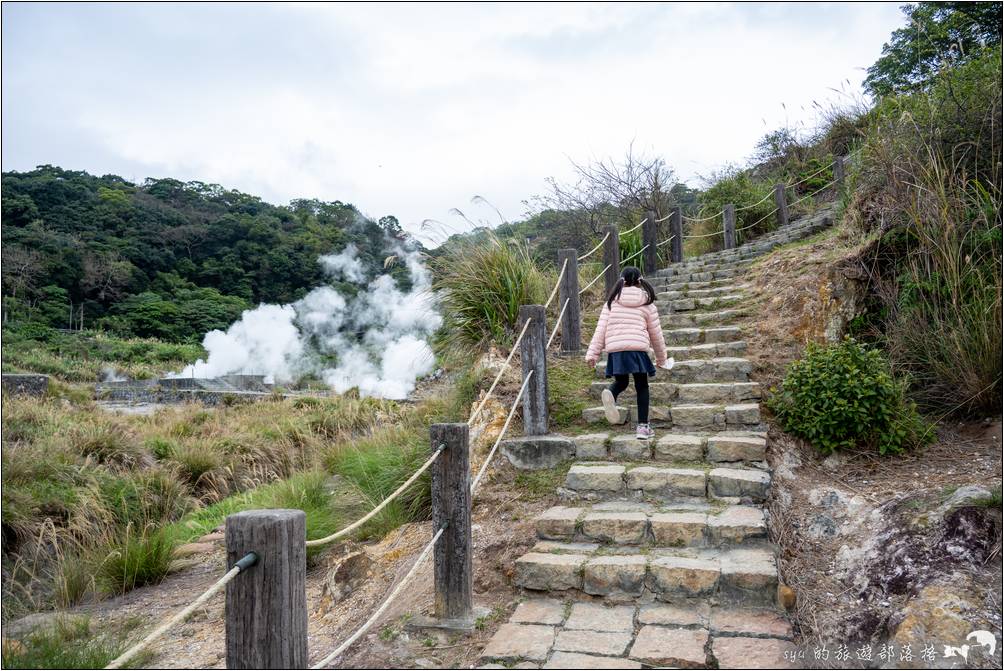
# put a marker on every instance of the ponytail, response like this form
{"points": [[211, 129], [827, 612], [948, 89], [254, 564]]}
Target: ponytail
{"points": [[630, 277]]}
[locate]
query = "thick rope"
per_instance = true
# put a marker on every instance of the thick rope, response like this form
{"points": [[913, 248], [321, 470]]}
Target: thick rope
{"points": [[635, 254], [383, 504], [379, 611], [595, 279], [666, 241], [554, 292], [505, 427], [748, 226], [664, 218], [503, 370], [808, 177], [750, 207], [703, 219], [557, 323], [176, 618], [810, 195], [635, 228], [706, 235], [593, 250]]}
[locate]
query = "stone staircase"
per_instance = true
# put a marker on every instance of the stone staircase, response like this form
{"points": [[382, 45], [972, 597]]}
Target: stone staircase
{"points": [[659, 555]]}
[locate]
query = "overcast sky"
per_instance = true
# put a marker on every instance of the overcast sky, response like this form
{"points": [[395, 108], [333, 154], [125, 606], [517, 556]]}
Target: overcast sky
{"points": [[413, 109]]}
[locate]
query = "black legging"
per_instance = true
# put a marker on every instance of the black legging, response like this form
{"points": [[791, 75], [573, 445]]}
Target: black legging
{"points": [[620, 383]]}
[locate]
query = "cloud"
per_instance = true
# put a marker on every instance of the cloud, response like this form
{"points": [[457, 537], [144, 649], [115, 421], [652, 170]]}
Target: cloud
{"points": [[412, 109]]}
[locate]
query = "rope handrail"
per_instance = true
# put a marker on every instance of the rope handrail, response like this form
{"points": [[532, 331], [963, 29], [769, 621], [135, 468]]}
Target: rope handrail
{"points": [[500, 373], [593, 250], [246, 562], [383, 504], [635, 254], [750, 207], [664, 218], [557, 323], [498, 440], [705, 235], [810, 195], [554, 291], [748, 226], [379, 611], [808, 177], [595, 279], [635, 228], [666, 241], [698, 220]]}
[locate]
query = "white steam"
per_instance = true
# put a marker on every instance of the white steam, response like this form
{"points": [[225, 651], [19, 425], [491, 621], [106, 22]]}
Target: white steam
{"points": [[378, 338]]}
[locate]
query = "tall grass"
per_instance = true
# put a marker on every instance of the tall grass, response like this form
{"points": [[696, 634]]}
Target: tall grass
{"points": [[482, 283]]}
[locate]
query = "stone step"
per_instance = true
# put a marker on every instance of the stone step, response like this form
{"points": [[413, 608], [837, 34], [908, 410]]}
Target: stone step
{"points": [[698, 392], [700, 265], [665, 284], [717, 369], [684, 415], [735, 577], [731, 447], [707, 350], [705, 303], [706, 275], [605, 480], [693, 292], [633, 523], [700, 336], [658, 415], [716, 318]]}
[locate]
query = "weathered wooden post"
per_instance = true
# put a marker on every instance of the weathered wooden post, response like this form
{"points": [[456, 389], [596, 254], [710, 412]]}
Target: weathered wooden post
{"points": [[781, 202], [676, 230], [611, 257], [571, 321], [650, 239], [729, 222], [839, 171], [266, 606], [533, 355], [451, 508]]}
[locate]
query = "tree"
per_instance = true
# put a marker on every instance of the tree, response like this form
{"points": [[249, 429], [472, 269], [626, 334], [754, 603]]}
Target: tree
{"points": [[105, 275], [21, 269], [938, 33]]}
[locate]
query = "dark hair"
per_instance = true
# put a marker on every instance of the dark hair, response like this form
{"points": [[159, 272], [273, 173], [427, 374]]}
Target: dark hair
{"points": [[631, 277]]}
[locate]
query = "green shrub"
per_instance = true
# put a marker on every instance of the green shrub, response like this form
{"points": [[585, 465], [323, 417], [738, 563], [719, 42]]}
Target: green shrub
{"points": [[844, 395], [132, 558], [482, 284], [753, 210]]}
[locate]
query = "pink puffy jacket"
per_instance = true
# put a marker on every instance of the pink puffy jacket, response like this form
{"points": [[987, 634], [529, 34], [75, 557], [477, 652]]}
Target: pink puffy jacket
{"points": [[630, 326]]}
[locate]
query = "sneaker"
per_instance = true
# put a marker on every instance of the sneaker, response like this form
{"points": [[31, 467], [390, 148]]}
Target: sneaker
{"points": [[644, 432], [610, 407]]}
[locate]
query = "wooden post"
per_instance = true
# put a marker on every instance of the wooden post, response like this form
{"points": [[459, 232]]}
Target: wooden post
{"points": [[781, 201], [266, 606], [611, 257], [729, 221], [451, 508], [533, 355], [839, 171], [676, 230], [571, 322], [650, 237]]}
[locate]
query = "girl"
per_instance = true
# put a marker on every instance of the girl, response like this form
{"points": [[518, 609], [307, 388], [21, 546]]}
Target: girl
{"points": [[629, 324]]}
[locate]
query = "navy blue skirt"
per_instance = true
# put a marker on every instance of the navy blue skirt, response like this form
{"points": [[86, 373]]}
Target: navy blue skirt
{"points": [[626, 363]]}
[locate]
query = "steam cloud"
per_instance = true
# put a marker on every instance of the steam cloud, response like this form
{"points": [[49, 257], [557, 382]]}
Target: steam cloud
{"points": [[378, 338]]}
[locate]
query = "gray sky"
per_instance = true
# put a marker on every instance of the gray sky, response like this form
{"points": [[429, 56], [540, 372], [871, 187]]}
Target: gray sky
{"points": [[412, 109]]}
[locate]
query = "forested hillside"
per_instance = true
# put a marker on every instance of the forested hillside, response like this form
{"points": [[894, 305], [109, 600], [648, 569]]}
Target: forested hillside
{"points": [[164, 258]]}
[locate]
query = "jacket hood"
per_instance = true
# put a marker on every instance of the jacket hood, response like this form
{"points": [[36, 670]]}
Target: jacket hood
{"points": [[632, 297]]}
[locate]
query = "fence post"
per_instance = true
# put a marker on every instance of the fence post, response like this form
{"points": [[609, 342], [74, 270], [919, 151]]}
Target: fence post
{"points": [[839, 171], [611, 257], [729, 221], [781, 202], [650, 237], [451, 508], [571, 322], [676, 230], [533, 355], [266, 606]]}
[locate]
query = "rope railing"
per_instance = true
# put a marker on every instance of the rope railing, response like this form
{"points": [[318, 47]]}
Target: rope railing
{"points": [[498, 440], [666, 241], [817, 191], [383, 504], [595, 279], [698, 220], [750, 207], [659, 221], [500, 373], [636, 227], [593, 250], [379, 611], [635, 254], [557, 323], [247, 561], [554, 292], [704, 235], [808, 177], [761, 219]]}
